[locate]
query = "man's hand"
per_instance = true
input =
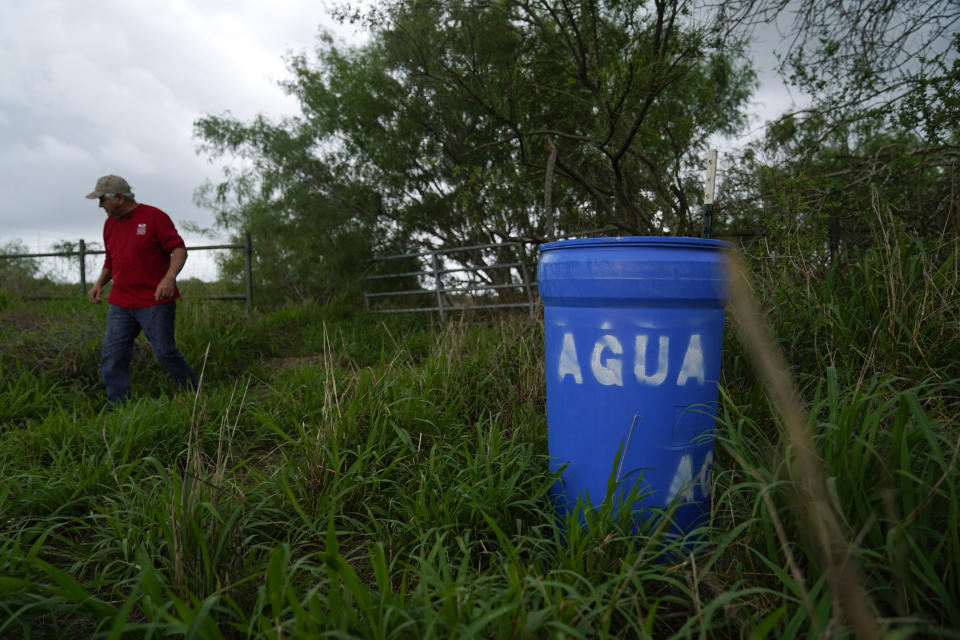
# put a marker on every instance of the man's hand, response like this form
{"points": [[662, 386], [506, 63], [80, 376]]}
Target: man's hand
{"points": [[168, 286], [95, 293], [165, 289]]}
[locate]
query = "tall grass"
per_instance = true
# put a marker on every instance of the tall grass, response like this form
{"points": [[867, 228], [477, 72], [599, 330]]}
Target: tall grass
{"points": [[345, 476]]}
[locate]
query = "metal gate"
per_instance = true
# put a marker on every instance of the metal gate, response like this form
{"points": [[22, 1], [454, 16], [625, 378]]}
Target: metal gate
{"points": [[436, 281]]}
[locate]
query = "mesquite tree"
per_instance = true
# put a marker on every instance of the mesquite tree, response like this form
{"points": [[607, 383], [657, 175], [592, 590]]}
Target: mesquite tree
{"points": [[463, 122], [875, 149]]}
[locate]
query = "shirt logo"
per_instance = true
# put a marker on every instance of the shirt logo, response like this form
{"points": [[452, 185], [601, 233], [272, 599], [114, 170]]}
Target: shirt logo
{"points": [[142, 229]]}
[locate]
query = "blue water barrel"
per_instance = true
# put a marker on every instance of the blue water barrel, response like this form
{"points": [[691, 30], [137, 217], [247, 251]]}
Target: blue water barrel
{"points": [[634, 329]]}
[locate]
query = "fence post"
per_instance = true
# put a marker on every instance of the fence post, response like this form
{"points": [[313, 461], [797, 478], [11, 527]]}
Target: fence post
{"points": [[708, 187], [83, 266], [436, 274], [248, 257], [526, 279]]}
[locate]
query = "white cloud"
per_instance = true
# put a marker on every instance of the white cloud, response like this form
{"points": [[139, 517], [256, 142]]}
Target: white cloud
{"points": [[122, 153], [112, 86], [47, 152], [65, 155]]}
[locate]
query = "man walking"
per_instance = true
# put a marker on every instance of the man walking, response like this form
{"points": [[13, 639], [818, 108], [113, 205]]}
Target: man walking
{"points": [[144, 254]]}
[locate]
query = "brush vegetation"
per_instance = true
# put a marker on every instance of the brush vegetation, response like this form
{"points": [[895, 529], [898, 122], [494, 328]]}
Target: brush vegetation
{"points": [[345, 475]]}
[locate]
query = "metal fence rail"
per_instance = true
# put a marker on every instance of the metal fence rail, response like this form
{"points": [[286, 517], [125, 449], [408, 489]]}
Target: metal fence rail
{"points": [[82, 252], [459, 288], [462, 282]]}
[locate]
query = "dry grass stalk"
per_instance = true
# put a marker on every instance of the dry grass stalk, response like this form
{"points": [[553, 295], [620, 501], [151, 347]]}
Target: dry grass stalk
{"points": [[814, 503]]}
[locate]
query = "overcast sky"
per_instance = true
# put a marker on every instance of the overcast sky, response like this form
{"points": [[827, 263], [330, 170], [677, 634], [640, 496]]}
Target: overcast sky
{"points": [[91, 87]]}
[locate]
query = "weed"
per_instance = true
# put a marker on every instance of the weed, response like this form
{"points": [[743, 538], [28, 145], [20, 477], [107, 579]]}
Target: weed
{"points": [[347, 475]]}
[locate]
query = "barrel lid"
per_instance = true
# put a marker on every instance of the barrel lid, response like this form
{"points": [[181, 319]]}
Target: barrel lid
{"points": [[637, 241]]}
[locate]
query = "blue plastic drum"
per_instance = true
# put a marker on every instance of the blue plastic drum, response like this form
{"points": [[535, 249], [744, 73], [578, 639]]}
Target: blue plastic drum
{"points": [[634, 330]]}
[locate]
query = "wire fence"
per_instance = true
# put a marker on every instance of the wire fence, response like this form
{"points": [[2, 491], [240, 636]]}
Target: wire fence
{"points": [[499, 278], [484, 276], [443, 281], [73, 264]]}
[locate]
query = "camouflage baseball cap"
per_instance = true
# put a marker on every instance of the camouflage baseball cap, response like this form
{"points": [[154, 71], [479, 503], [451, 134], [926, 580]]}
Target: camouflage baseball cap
{"points": [[110, 184]]}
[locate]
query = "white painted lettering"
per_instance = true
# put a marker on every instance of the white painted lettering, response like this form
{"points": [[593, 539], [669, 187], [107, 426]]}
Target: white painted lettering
{"points": [[682, 482], [607, 368], [705, 476], [610, 372], [640, 361], [569, 365], [692, 362]]}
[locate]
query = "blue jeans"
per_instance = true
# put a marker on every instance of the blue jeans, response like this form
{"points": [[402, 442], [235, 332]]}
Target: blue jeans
{"points": [[123, 326]]}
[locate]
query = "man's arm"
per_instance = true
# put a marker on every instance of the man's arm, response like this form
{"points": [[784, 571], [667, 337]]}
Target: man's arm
{"points": [[167, 286], [96, 291]]}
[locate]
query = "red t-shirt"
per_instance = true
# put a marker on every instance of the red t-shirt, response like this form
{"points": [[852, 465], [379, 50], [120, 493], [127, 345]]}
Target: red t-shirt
{"points": [[138, 247]]}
